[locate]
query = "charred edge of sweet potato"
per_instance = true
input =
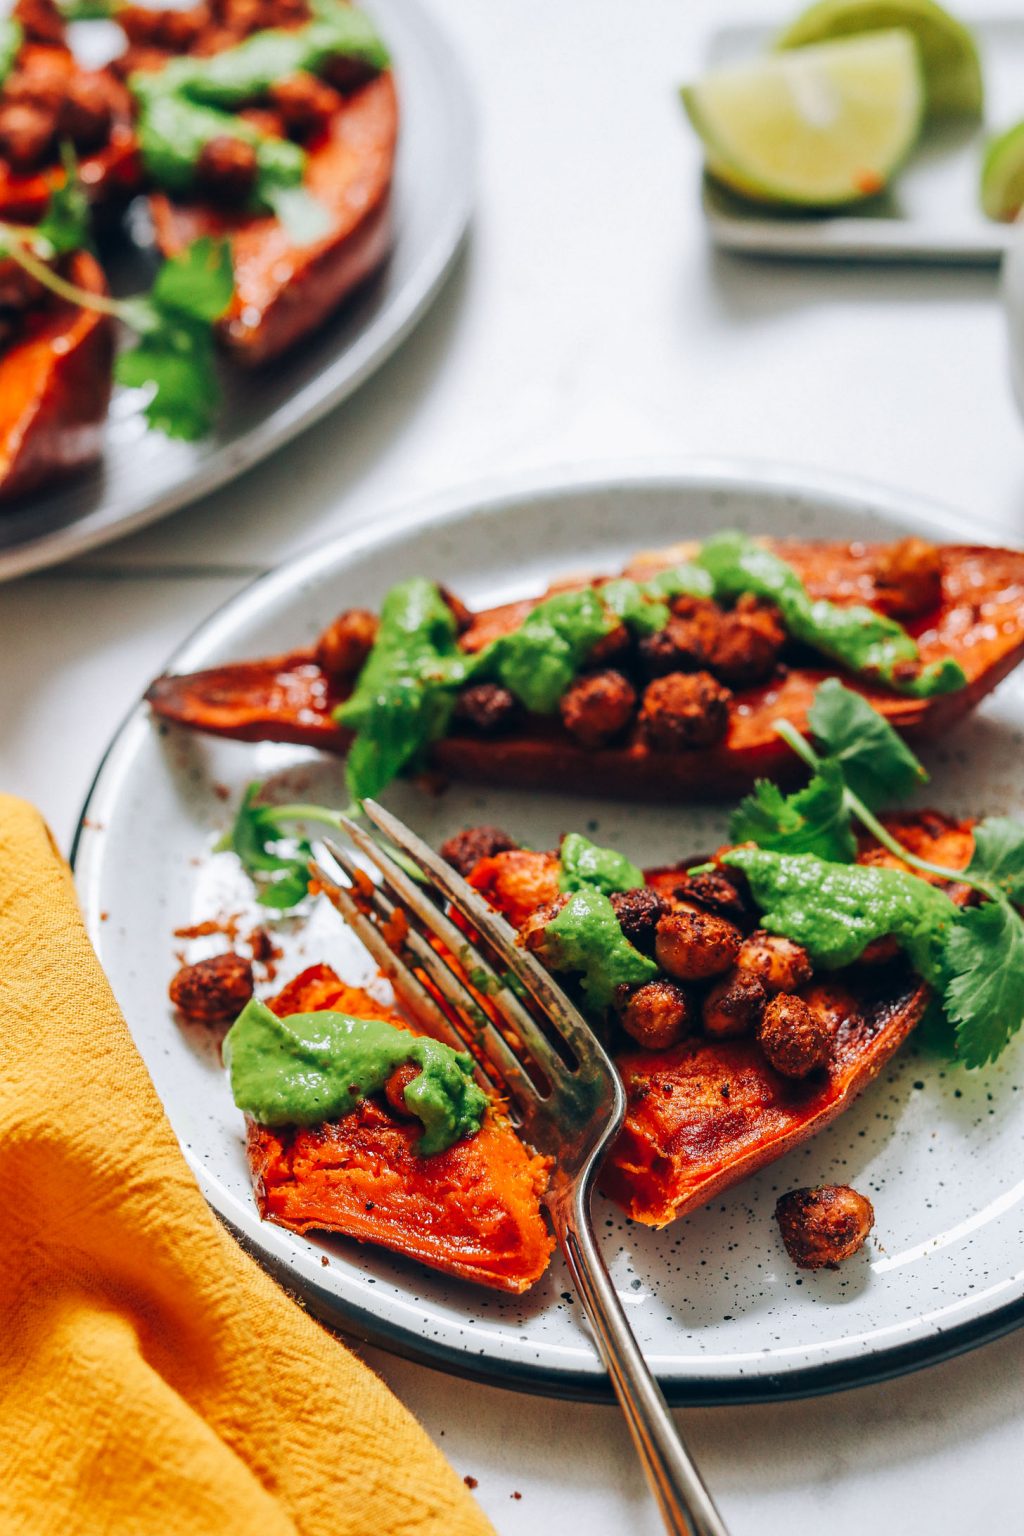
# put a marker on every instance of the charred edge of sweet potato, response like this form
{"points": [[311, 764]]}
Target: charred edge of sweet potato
{"points": [[288, 698], [55, 386], [351, 174], [472, 1211]]}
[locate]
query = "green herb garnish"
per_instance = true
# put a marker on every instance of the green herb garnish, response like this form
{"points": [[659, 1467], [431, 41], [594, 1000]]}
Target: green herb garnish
{"points": [[255, 835]]}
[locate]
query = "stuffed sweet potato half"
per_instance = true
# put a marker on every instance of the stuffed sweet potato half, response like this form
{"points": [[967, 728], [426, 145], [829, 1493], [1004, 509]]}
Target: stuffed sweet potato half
{"points": [[666, 682], [470, 1208], [274, 126]]}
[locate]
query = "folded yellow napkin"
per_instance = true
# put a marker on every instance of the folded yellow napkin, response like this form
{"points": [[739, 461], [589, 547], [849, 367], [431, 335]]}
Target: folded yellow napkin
{"points": [[152, 1378]]}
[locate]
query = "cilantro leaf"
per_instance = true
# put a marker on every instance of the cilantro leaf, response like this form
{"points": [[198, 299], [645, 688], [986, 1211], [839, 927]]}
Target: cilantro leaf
{"points": [[984, 993], [999, 855], [877, 764], [175, 355], [66, 225], [815, 819], [283, 878]]}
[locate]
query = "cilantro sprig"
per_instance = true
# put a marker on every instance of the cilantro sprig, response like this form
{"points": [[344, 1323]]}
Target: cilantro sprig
{"points": [[280, 873], [802, 875], [173, 356]]}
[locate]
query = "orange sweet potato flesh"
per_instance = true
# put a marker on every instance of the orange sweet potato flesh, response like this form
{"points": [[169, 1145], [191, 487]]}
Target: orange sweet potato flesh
{"points": [[282, 291], [111, 173], [471, 1211], [55, 386], [980, 622]]}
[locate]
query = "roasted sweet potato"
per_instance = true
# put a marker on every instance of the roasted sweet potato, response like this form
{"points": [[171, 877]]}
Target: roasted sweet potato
{"points": [[282, 291], [980, 622], [111, 172], [471, 1211], [55, 383]]}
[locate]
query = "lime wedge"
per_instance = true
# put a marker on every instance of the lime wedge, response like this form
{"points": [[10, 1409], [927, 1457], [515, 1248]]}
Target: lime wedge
{"points": [[815, 128], [952, 71], [1002, 175]]}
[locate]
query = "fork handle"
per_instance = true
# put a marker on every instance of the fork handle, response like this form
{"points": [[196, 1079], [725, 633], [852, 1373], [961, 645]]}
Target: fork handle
{"points": [[685, 1504]]}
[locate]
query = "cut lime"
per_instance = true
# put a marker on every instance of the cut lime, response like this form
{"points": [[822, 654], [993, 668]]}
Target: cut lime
{"points": [[1002, 175], [818, 127], [952, 71]]}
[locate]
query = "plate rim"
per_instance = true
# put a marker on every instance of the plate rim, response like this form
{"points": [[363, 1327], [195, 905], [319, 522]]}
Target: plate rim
{"points": [[398, 318], [349, 1315]]}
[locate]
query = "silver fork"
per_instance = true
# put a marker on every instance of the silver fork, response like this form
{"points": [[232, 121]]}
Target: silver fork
{"points": [[565, 1097]]}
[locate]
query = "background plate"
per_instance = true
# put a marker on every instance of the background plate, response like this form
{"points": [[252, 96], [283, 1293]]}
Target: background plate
{"points": [[718, 1307], [144, 475], [932, 213]]}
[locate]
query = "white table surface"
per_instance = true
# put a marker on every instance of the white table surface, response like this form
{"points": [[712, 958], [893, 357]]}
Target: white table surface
{"points": [[590, 319]]}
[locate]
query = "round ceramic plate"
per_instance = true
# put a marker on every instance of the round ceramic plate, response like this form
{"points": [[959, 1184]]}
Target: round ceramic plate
{"points": [[144, 475], [718, 1307]]}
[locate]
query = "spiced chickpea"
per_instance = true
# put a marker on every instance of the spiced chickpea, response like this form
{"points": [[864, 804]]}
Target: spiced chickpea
{"points": [[908, 578], [716, 892], [227, 168], [86, 111], [305, 103], [778, 963], [41, 21], [733, 1007], [658, 1014], [486, 707], [694, 946], [213, 991], [26, 135], [533, 931], [465, 849], [823, 1226], [638, 913], [795, 1039], [746, 646], [344, 645], [683, 711], [598, 707]]}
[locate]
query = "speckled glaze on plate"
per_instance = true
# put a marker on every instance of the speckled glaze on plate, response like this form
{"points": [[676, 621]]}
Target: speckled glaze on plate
{"points": [[143, 475], [718, 1307]]}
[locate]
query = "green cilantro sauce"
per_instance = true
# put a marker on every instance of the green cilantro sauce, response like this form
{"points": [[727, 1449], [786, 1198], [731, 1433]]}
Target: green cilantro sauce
{"points": [[192, 100], [586, 937], [11, 38], [858, 637], [836, 910], [309, 1068], [583, 863]]}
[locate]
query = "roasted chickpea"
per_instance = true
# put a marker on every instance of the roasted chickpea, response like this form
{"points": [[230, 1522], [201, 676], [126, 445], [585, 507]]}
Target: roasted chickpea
{"points": [[778, 963], [465, 850], [227, 168], [597, 707], [212, 991], [821, 1227], [533, 932], [693, 946], [343, 647], [86, 111], [612, 649], [26, 134], [305, 103], [41, 21], [682, 646], [486, 707], [715, 891], [658, 1015], [681, 712], [745, 648], [795, 1039], [517, 882], [908, 578], [734, 1006], [638, 913], [394, 1088]]}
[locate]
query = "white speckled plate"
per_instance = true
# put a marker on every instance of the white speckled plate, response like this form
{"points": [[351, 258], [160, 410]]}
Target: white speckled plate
{"points": [[144, 475], [717, 1305]]}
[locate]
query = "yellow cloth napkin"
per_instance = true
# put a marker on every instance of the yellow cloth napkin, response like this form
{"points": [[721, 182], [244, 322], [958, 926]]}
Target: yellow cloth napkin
{"points": [[152, 1378]]}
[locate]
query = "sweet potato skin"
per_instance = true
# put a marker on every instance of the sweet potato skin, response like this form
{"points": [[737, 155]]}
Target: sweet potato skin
{"points": [[980, 623], [284, 292], [472, 1211], [55, 385]]}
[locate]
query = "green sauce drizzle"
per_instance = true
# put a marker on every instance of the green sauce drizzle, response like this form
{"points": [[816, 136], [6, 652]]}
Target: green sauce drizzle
{"points": [[192, 100], [309, 1068], [585, 937], [861, 639], [585, 864]]}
